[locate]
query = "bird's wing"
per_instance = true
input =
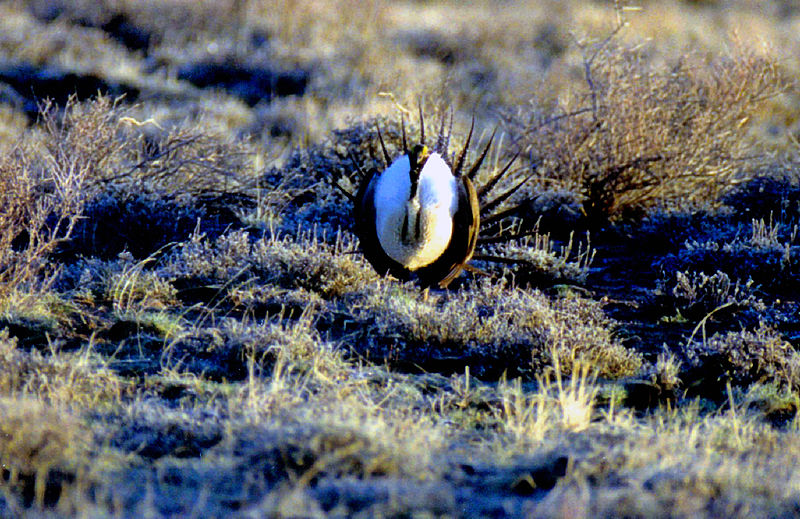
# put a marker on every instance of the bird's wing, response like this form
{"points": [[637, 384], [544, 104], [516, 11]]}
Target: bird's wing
{"points": [[466, 222], [364, 217]]}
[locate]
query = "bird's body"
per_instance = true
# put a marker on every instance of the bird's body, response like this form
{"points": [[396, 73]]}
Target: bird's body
{"points": [[419, 218], [414, 228]]}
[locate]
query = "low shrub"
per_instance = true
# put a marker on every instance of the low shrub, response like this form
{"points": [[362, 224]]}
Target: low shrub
{"points": [[492, 328], [641, 136], [744, 358], [766, 260]]}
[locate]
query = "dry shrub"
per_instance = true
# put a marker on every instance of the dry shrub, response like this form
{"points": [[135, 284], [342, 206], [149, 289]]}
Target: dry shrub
{"points": [[163, 185], [179, 162], [643, 135], [167, 183], [43, 185], [696, 294], [134, 180]]}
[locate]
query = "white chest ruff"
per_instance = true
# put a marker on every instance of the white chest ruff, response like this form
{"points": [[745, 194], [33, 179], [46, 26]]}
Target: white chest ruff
{"points": [[416, 232]]}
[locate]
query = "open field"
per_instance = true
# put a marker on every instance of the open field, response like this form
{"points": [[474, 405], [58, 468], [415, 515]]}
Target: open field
{"points": [[188, 328]]}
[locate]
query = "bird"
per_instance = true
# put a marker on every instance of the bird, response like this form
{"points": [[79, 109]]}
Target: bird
{"points": [[420, 217]]}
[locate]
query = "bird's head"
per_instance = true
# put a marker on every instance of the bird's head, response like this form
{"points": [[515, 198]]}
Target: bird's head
{"points": [[417, 156]]}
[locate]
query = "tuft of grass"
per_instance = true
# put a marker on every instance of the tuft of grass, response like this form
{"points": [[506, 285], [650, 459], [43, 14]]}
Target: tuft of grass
{"points": [[80, 378], [132, 289], [42, 451], [556, 406]]}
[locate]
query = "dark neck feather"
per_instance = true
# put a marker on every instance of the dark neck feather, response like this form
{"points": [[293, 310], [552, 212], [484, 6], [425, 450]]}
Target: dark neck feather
{"points": [[417, 157]]}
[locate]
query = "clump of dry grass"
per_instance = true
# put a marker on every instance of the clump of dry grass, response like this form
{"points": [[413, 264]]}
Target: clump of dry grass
{"points": [[41, 450], [308, 263], [557, 405], [682, 462], [310, 417], [535, 260], [79, 182], [251, 350], [79, 378], [122, 285], [642, 135]]}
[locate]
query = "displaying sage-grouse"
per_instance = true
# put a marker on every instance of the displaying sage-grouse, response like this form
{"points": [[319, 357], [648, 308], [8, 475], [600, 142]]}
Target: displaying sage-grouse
{"points": [[420, 217]]}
